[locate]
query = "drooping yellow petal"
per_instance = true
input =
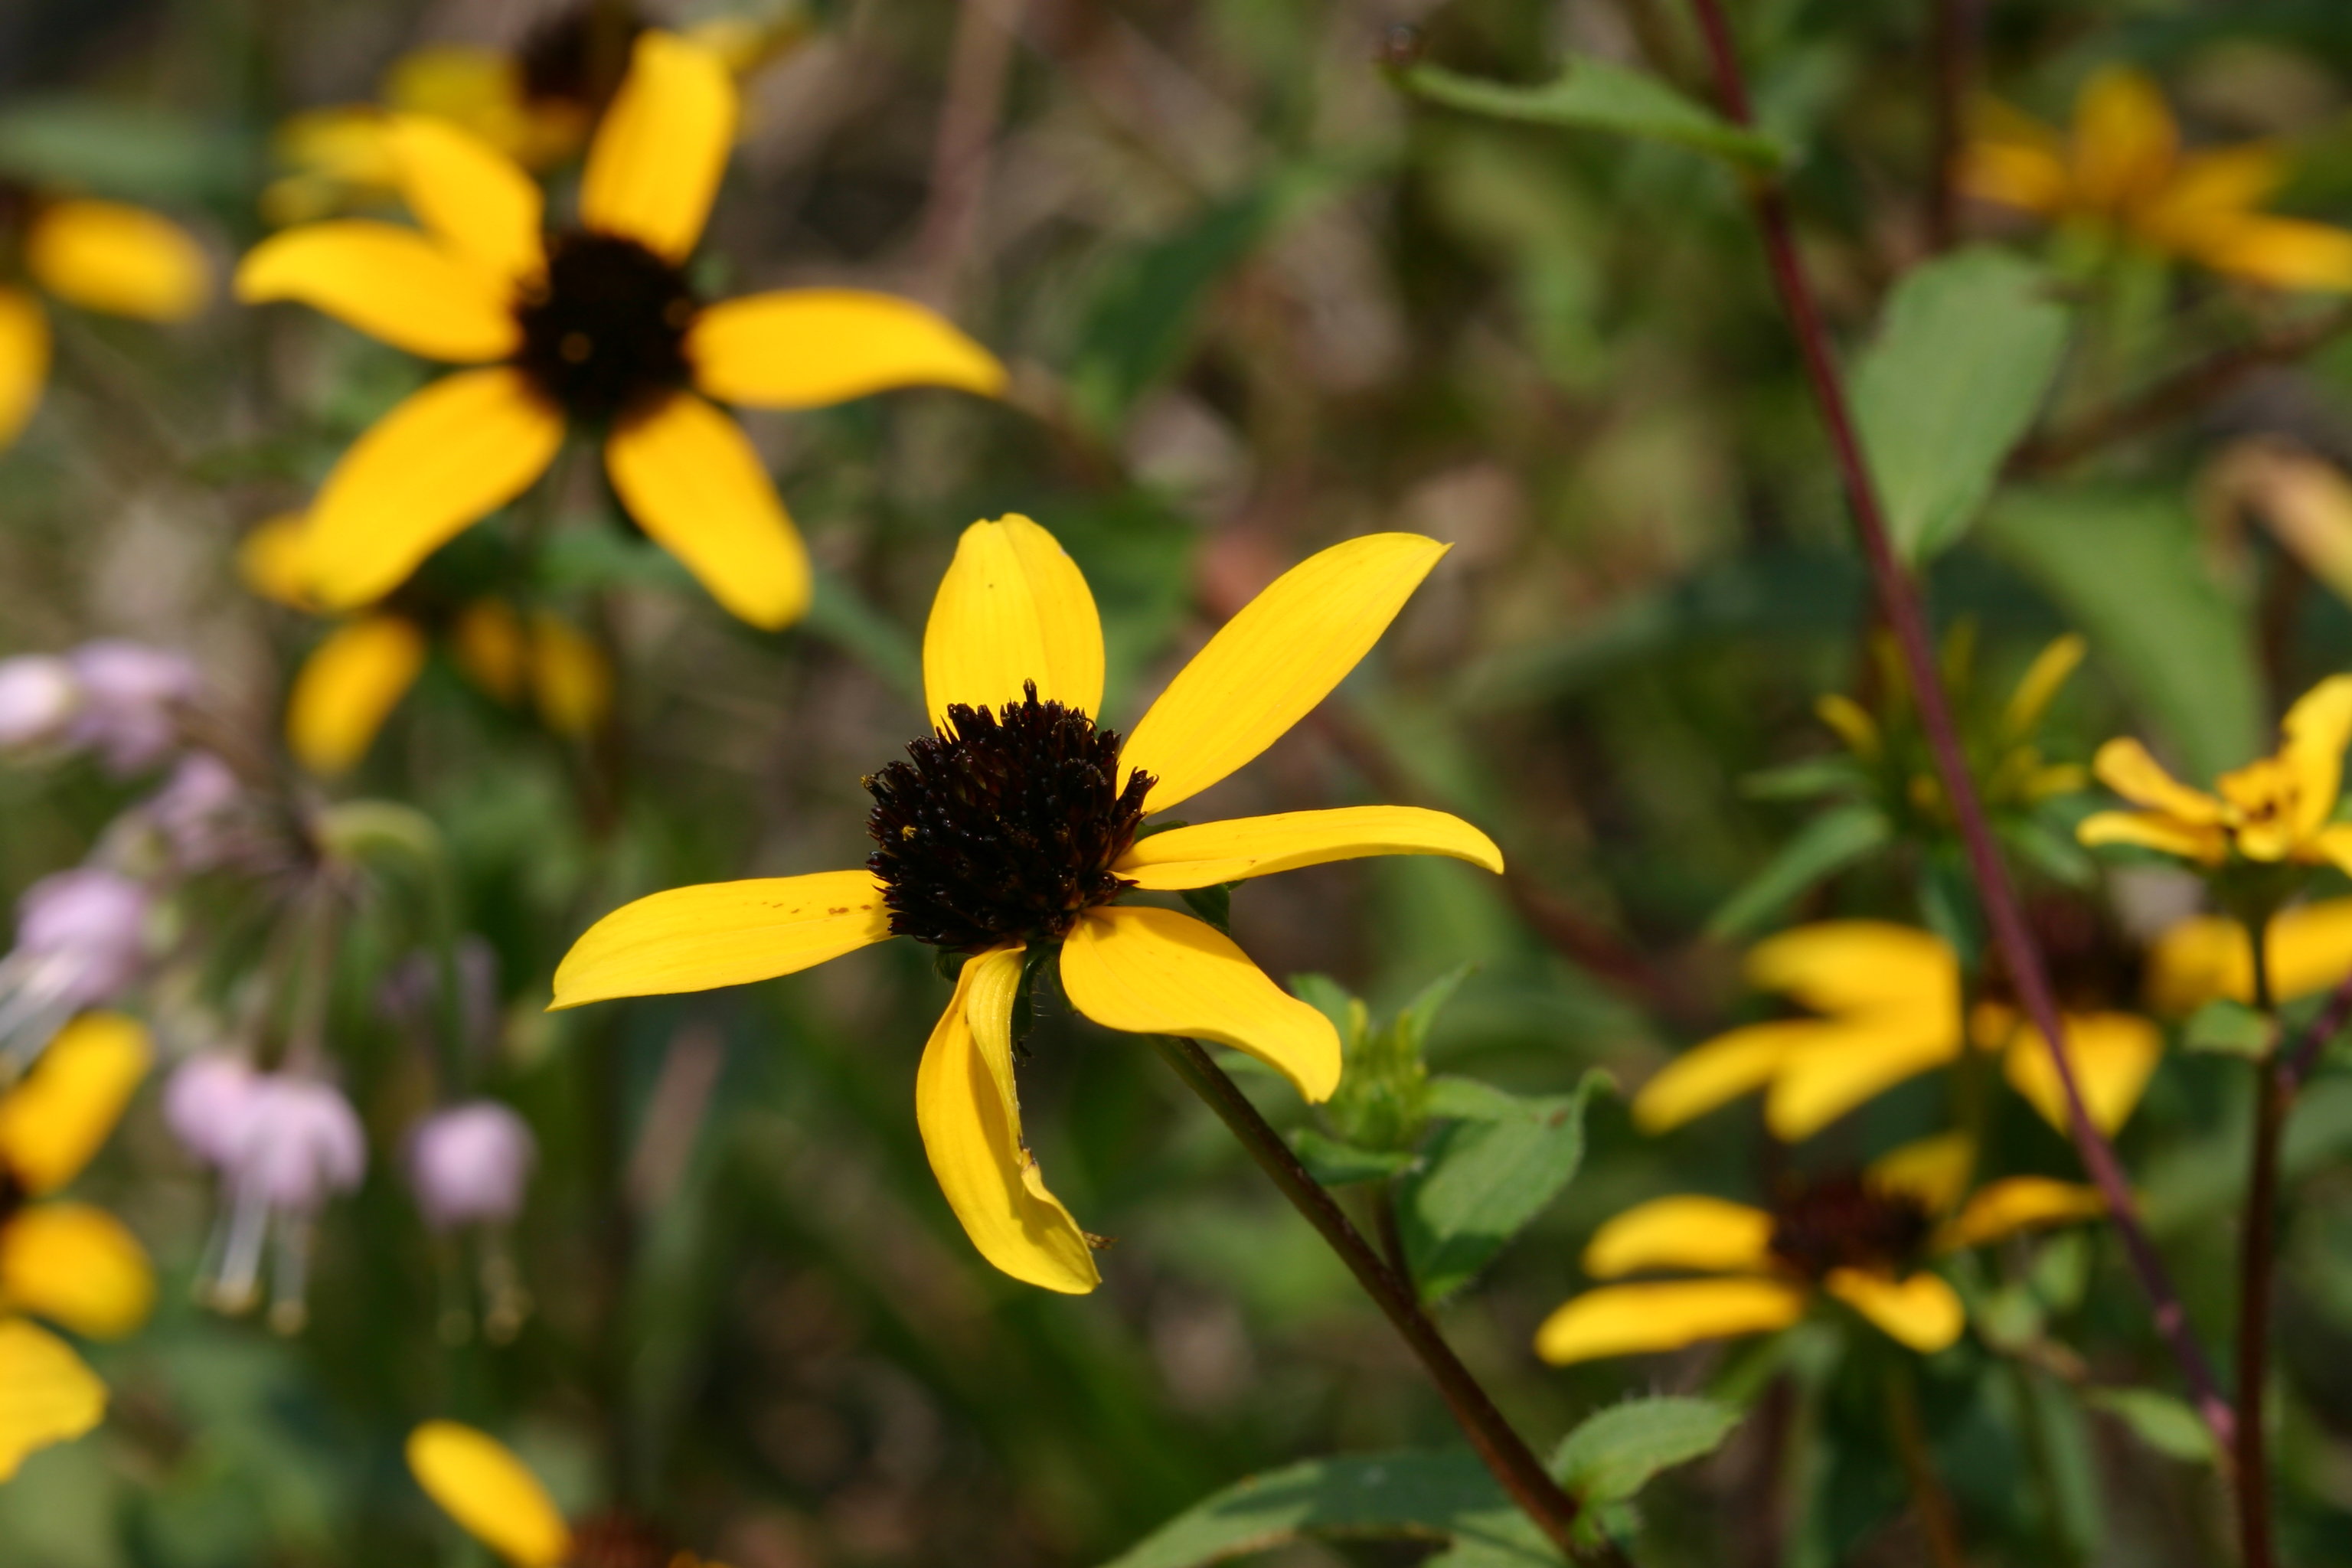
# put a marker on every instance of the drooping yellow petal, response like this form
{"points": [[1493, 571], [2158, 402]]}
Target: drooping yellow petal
{"points": [[2204, 842], [969, 1114], [2016, 174], [2282, 253], [451, 454], [24, 360], [104, 255], [2317, 729], [59, 1117], [2207, 956], [1155, 972], [492, 1495], [1231, 851], [391, 283], [2035, 688], [690, 477], [272, 560], [2125, 139], [2124, 765], [347, 687], [1851, 966], [78, 1267], [1271, 664], [570, 679], [2218, 186], [473, 196], [470, 85], [1629, 1320], [2112, 1054], [1707, 1234], [1013, 607], [1933, 1170], [807, 348], [1847, 1064], [1716, 1071], [46, 1395], [656, 159], [2003, 1209], [723, 933], [1922, 1311], [492, 647]]}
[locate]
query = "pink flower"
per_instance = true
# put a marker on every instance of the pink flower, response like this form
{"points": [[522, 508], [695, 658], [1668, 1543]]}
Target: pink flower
{"points": [[81, 938], [38, 695], [205, 1103], [469, 1165], [131, 698]]}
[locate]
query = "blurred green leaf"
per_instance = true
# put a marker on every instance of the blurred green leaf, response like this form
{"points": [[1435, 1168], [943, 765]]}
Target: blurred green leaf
{"points": [[1822, 848], [1484, 1180], [1962, 361], [86, 144], [2159, 1420], [1336, 1164], [1615, 1453], [2231, 1029], [1600, 95], [1419, 1014]]}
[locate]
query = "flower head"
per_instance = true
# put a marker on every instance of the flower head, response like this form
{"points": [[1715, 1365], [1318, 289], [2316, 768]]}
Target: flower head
{"points": [[284, 1144], [1014, 830], [594, 325], [493, 1496], [469, 1165], [81, 939], [131, 696], [197, 811], [38, 695]]}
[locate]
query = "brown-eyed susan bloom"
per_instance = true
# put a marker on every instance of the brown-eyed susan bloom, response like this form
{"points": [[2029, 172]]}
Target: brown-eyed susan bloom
{"points": [[1017, 826], [593, 326], [70, 1263], [494, 1498], [1865, 1239]]}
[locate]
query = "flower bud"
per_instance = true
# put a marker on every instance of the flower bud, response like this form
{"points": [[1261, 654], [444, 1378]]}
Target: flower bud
{"points": [[38, 695], [205, 1101], [470, 1164], [129, 694]]}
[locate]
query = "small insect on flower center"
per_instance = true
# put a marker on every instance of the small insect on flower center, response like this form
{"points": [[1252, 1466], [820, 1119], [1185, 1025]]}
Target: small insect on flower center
{"points": [[1843, 1221], [1003, 827], [606, 332]]}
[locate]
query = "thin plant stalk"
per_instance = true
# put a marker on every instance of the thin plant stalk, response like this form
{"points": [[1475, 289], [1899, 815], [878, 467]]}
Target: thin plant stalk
{"points": [[1899, 602], [2258, 1239], [1500, 1448], [2295, 1063], [1938, 1523]]}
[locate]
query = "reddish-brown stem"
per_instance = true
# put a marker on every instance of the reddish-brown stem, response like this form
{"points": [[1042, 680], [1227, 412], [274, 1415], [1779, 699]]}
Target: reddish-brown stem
{"points": [[2295, 1063], [2258, 1239], [1899, 601], [1956, 23]]}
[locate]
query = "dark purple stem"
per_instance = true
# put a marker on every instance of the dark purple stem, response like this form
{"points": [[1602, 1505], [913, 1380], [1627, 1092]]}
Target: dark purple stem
{"points": [[2295, 1065]]}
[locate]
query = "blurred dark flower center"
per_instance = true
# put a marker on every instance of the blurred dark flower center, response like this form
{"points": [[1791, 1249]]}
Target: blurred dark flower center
{"points": [[606, 333], [557, 57], [12, 1192], [1842, 1221], [617, 1540], [1002, 828]]}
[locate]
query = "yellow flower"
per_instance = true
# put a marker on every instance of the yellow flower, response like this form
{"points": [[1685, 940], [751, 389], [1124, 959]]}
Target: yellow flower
{"points": [[1010, 833], [2274, 810], [593, 326], [101, 256], [1888, 1003], [1864, 1240], [350, 682], [493, 1496], [2123, 173], [71, 1262], [2208, 957]]}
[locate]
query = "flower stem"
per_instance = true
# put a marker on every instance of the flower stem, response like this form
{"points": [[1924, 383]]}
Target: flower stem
{"points": [[1898, 598], [1937, 1522], [2257, 1240], [1502, 1449], [2295, 1064]]}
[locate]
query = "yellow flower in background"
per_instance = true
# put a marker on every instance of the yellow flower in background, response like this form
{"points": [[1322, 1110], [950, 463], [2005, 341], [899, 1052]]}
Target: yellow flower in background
{"points": [[2209, 957], [494, 1498], [1011, 836], [350, 682], [593, 327], [2122, 171], [100, 256], [1866, 1240], [70, 1263], [1888, 1007], [2275, 810]]}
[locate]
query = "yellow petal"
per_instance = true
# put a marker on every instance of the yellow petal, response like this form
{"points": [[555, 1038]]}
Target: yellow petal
{"points": [[2317, 728], [472, 195], [1853, 723], [1922, 1312], [391, 283], [46, 1395], [491, 1494], [570, 682], [1013, 607], [24, 360], [2206, 843], [2212, 191], [1155, 972], [806, 348], [2015, 173], [2040, 684], [1628, 1319], [723, 933], [2112, 1055], [1716, 1071], [489, 645], [59, 1116], [77, 1266], [1847, 1064], [451, 454], [1246, 846], [2333, 844], [1851, 966], [657, 160], [1933, 1170], [2283, 253], [1272, 663], [2207, 956], [1707, 1234], [273, 560], [2124, 765], [969, 1114], [347, 687], [126, 260], [2003, 1209], [2125, 139], [690, 477]]}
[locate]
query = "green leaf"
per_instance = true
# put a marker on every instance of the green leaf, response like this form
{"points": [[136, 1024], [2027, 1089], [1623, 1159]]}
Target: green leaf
{"points": [[1336, 1164], [2159, 1420], [1213, 904], [1484, 1180], [1822, 848], [1471, 1099], [114, 150], [1446, 1496], [1961, 364], [2228, 1028], [1412, 1025], [1598, 95], [1613, 1454]]}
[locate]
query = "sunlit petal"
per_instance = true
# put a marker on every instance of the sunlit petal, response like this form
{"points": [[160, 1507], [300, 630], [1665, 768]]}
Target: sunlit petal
{"points": [[46, 1395], [1013, 608], [23, 360], [657, 160], [1231, 851], [77, 1266], [491, 1494], [723, 933], [347, 687], [2125, 139], [2112, 1054], [690, 477], [2125, 766], [1932, 1171], [1716, 1071], [1846, 966], [273, 560], [2282, 253], [2208, 956], [53, 1121], [1843, 1066], [482, 206], [806, 348], [2015, 173], [1922, 1311], [2317, 728], [104, 255], [2206, 843], [2003, 1209], [1687, 1231], [391, 283], [1628, 1319]]}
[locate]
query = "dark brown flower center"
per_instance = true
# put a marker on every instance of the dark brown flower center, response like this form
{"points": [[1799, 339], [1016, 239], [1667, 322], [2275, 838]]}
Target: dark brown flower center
{"points": [[618, 1540], [1842, 1221], [605, 333], [559, 56], [1002, 827]]}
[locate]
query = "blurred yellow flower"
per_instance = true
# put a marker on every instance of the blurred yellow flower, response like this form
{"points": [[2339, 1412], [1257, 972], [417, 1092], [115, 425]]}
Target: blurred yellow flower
{"points": [[101, 256], [2208, 957], [494, 1498], [593, 327], [1010, 838], [2123, 173], [1864, 1240], [2277, 809]]}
